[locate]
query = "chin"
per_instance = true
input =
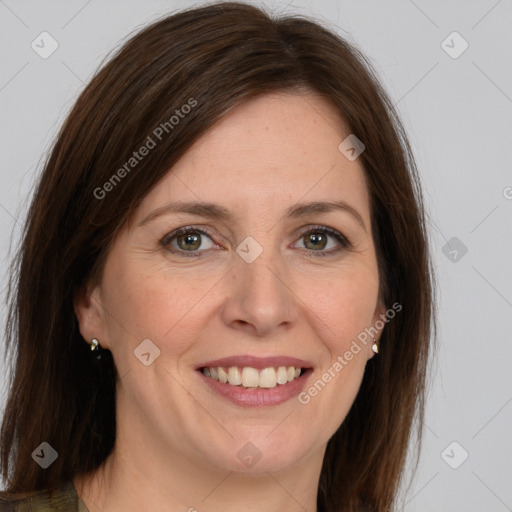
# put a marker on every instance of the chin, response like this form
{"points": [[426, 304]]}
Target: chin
{"points": [[259, 454]]}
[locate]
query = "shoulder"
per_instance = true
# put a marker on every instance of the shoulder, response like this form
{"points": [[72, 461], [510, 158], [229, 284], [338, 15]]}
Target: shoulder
{"points": [[64, 499]]}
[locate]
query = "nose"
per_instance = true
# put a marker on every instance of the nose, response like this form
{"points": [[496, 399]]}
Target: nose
{"points": [[260, 299]]}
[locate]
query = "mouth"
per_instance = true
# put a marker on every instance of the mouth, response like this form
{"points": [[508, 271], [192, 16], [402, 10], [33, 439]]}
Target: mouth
{"points": [[251, 381]]}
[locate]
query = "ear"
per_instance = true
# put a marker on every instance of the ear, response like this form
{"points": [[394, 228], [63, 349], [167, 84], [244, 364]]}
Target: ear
{"points": [[90, 315]]}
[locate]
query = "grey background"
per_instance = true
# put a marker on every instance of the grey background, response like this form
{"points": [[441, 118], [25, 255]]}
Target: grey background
{"points": [[458, 113]]}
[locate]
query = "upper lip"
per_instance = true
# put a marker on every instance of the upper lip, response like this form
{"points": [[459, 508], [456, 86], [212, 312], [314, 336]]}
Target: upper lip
{"points": [[256, 362]]}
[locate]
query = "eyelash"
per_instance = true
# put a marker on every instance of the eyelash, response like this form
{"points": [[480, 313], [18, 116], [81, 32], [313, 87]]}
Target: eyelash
{"points": [[343, 241]]}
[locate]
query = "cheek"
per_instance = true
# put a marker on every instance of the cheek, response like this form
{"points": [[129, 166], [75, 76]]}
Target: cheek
{"points": [[146, 303], [344, 307]]}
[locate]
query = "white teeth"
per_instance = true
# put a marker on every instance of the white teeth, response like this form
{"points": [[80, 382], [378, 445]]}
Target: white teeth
{"points": [[250, 377], [234, 377], [268, 378], [223, 376], [282, 375]]}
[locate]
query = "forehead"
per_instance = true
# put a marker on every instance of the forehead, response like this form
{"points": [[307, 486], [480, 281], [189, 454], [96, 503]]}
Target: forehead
{"points": [[276, 149]]}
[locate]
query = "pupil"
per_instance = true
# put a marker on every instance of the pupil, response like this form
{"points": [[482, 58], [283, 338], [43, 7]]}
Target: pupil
{"points": [[318, 240], [191, 241]]}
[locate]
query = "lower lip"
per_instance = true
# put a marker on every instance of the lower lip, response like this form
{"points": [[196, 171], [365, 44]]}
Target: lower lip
{"points": [[258, 397]]}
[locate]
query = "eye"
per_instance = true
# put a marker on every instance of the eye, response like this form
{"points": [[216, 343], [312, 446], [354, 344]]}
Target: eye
{"points": [[319, 238], [192, 241], [188, 240]]}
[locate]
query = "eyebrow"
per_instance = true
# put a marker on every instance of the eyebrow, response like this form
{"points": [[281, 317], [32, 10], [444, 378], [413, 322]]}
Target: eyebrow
{"points": [[216, 212]]}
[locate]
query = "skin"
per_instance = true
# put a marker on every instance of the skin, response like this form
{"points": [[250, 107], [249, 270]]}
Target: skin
{"points": [[177, 441]]}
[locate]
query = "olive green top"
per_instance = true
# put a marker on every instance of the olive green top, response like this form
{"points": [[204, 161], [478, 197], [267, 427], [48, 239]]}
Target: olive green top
{"points": [[64, 499]]}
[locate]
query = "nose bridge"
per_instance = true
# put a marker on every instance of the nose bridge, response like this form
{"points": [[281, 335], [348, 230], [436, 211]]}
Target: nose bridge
{"points": [[260, 276], [258, 270]]}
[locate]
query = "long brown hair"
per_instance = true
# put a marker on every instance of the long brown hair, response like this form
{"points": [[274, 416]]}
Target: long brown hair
{"points": [[220, 56]]}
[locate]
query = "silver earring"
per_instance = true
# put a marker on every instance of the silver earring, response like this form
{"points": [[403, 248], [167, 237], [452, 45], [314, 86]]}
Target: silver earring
{"points": [[375, 347]]}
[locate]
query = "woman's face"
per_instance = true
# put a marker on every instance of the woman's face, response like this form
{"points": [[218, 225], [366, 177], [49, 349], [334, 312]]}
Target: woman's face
{"points": [[263, 271]]}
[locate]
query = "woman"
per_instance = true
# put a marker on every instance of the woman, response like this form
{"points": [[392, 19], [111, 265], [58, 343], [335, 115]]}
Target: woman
{"points": [[223, 295]]}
